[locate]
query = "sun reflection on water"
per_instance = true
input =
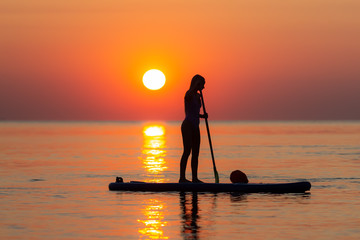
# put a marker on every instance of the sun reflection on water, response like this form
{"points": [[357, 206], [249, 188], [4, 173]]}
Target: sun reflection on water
{"points": [[154, 163], [153, 152], [154, 223]]}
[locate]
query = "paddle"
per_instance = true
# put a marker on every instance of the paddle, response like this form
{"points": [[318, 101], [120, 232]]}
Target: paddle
{"points": [[208, 132]]}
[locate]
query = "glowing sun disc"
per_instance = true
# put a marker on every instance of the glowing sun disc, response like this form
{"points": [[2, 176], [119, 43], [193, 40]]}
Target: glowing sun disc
{"points": [[154, 79]]}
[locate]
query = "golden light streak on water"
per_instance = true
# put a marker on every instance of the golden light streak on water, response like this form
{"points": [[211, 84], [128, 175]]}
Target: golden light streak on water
{"points": [[153, 152], [154, 131], [154, 214]]}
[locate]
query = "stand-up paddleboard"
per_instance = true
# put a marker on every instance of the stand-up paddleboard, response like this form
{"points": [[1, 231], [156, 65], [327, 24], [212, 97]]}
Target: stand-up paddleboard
{"points": [[296, 187]]}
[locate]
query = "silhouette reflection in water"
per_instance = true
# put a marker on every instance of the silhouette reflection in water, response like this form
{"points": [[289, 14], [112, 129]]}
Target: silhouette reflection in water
{"points": [[189, 213]]}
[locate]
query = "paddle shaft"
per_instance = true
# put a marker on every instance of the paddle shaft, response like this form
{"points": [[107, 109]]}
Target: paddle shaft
{"points": [[209, 137]]}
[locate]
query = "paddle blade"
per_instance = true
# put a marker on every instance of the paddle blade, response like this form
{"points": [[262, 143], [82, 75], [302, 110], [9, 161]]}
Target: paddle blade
{"points": [[216, 177]]}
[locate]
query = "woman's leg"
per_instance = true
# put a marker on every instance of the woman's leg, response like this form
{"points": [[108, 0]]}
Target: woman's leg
{"points": [[186, 132], [195, 154]]}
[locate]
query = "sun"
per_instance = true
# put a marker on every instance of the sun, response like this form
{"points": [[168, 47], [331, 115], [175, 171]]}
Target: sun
{"points": [[154, 79]]}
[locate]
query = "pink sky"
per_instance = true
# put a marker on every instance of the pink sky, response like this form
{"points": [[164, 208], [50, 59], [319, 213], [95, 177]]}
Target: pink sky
{"points": [[263, 60]]}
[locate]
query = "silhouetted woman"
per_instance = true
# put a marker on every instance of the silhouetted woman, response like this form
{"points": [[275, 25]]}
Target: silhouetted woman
{"points": [[190, 129]]}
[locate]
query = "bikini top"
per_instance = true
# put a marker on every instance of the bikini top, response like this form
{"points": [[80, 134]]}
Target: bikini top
{"points": [[192, 109]]}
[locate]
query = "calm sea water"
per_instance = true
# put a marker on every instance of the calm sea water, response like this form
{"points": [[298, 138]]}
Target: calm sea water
{"points": [[55, 176]]}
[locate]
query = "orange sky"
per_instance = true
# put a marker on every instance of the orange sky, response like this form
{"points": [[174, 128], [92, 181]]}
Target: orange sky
{"points": [[263, 60]]}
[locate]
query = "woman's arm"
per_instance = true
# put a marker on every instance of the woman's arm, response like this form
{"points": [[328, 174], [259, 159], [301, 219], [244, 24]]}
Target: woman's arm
{"points": [[190, 94], [205, 115]]}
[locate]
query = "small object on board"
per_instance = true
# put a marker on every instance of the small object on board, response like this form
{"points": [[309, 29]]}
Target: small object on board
{"points": [[238, 176]]}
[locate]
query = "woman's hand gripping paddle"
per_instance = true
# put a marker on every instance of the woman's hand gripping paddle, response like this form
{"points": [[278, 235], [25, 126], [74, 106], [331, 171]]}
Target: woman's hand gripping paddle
{"points": [[208, 132]]}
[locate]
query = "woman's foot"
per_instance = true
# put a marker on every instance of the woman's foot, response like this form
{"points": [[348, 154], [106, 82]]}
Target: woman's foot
{"points": [[184, 180], [197, 181]]}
